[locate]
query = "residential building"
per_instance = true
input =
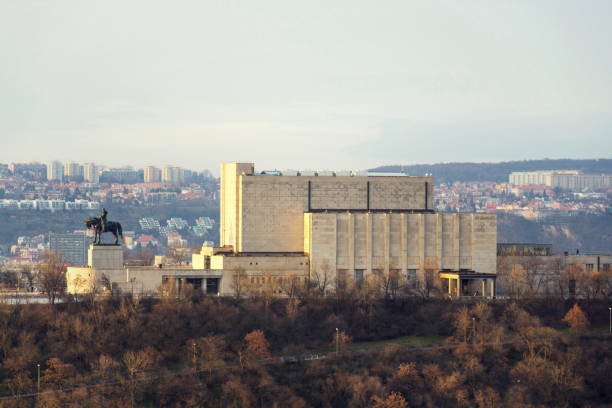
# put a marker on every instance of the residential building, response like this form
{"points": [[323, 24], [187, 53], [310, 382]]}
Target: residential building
{"points": [[172, 175], [73, 171], [71, 247], [91, 173], [572, 180], [55, 171], [152, 174]]}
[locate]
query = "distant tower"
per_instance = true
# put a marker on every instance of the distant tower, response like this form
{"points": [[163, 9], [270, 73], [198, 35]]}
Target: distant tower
{"points": [[152, 174], [55, 171], [90, 173], [173, 175], [73, 171]]}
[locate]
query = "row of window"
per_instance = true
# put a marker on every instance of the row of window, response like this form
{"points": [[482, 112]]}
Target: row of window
{"points": [[590, 267]]}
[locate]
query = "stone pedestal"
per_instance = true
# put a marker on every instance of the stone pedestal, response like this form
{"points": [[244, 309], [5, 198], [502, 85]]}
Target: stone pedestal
{"points": [[105, 256]]}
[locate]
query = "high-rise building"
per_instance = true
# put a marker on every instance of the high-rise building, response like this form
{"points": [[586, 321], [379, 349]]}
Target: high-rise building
{"points": [[91, 173], [152, 174], [71, 247], [73, 171], [173, 175], [55, 170]]}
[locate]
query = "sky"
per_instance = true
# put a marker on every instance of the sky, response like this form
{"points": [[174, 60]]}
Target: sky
{"points": [[304, 85]]}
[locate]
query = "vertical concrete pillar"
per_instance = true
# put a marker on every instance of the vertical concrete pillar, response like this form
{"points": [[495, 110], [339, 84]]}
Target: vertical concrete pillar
{"points": [[387, 239], [351, 243], [369, 243], [403, 249], [421, 243], [483, 290], [458, 287], [492, 287]]}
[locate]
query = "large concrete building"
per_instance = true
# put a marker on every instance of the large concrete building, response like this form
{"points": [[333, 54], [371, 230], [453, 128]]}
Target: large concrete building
{"points": [[341, 226], [348, 224]]}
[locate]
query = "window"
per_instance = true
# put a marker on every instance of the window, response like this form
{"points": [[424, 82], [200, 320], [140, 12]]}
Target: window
{"points": [[606, 267], [359, 274], [411, 278], [589, 267]]}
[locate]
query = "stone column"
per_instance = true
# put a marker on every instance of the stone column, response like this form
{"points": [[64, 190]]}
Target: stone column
{"points": [[492, 287], [483, 290], [458, 287]]}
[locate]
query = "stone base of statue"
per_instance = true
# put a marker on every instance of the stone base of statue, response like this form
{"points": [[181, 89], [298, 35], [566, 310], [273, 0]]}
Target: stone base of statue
{"points": [[105, 256]]}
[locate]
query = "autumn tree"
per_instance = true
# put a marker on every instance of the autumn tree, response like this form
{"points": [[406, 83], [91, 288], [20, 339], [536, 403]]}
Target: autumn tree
{"points": [[576, 319], [58, 374], [462, 320], [393, 400], [209, 351], [256, 348]]}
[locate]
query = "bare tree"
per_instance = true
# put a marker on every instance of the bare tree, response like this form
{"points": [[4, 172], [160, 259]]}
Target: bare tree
{"points": [[321, 279], [52, 276], [239, 281]]}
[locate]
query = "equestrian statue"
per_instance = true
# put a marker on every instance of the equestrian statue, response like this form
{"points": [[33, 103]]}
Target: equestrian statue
{"points": [[100, 225]]}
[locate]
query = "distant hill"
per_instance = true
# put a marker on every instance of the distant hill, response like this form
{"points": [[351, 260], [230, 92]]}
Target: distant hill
{"points": [[450, 172]]}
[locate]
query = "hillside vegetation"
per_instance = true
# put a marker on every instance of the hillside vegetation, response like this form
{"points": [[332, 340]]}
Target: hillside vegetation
{"points": [[588, 233], [194, 352]]}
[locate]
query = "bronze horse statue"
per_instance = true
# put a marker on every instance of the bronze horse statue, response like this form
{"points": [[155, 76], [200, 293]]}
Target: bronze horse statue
{"points": [[95, 224]]}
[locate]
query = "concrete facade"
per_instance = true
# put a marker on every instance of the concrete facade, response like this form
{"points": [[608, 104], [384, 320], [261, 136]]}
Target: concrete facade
{"points": [[105, 272], [355, 224], [261, 213], [381, 242]]}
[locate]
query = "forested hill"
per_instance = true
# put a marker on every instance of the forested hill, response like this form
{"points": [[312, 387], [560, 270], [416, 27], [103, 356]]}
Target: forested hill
{"points": [[450, 172]]}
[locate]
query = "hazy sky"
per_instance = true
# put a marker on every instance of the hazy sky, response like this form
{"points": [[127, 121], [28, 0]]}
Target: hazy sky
{"points": [[304, 84]]}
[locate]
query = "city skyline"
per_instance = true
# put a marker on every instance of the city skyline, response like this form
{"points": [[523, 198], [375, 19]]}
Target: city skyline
{"points": [[327, 86]]}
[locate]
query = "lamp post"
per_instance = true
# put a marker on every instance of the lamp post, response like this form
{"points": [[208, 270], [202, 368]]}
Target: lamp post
{"points": [[194, 354], [337, 341], [610, 329], [473, 330]]}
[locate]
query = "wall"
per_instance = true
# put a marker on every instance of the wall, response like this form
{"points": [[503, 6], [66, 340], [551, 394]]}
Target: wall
{"points": [[385, 241], [265, 213]]}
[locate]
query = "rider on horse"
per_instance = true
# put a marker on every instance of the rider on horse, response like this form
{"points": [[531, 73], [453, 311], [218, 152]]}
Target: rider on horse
{"points": [[103, 220]]}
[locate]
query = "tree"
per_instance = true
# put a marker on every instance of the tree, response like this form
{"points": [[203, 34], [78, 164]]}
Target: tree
{"points": [[239, 282], [576, 319], [393, 400], [52, 276], [209, 351], [463, 323], [256, 348], [58, 373]]}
